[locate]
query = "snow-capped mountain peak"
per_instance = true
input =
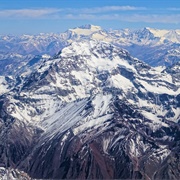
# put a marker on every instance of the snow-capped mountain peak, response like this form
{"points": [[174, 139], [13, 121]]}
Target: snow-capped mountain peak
{"points": [[170, 35], [173, 36]]}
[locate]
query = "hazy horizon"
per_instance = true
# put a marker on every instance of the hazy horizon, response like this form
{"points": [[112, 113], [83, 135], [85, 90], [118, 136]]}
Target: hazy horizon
{"points": [[34, 17]]}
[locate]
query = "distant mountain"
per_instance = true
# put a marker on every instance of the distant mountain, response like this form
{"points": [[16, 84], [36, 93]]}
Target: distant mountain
{"points": [[153, 46], [16, 64], [93, 112]]}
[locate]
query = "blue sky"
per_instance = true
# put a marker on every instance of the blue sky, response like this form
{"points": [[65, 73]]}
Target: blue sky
{"points": [[35, 16]]}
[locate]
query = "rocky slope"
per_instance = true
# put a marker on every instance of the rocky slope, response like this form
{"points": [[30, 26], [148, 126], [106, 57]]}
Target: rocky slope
{"points": [[93, 111]]}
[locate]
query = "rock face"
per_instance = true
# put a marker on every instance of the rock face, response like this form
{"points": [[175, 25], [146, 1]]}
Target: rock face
{"points": [[93, 111]]}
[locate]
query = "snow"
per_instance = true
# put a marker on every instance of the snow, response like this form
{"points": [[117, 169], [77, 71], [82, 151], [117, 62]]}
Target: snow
{"points": [[105, 143], [160, 68], [98, 36], [117, 139], [100, 114], [64, 119], [171, 35], [150, 116], [133, 148], [92, 123], [156, 122], [100, 104], [72, 113], [3, 85], [75, 49], [177, 114], [158, 32], [84, 76], [156, 88], [121, 82], [93, 58], [46, 56], [28, 111]]}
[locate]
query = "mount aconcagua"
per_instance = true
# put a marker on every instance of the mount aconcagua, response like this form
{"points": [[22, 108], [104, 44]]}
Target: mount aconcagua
{"points": [[91, 112]]}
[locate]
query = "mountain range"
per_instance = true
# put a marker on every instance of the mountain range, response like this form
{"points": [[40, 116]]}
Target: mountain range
{"points": [[92, 111], [154, 46]]}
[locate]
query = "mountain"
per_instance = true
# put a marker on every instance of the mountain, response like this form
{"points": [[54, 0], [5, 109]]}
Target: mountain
{"points": [[154, 46], [93, 111]]}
